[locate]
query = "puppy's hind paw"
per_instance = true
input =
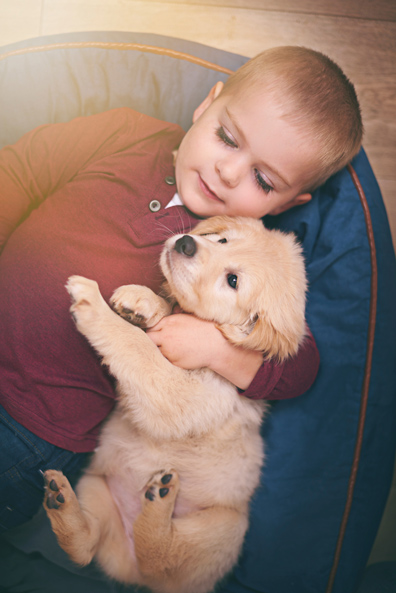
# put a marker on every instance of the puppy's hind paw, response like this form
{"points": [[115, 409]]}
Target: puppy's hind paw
{"points": [[58, 492], [164, 484]]}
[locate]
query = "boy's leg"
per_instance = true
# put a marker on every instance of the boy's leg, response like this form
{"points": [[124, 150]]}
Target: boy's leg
{"points": [[23, 457]]}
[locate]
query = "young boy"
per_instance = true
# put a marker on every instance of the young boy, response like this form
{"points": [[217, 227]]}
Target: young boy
{"points": [[97, 197]]}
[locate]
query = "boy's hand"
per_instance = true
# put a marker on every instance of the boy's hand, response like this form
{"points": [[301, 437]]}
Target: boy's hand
{"points": [[191, 343], [185, 340]]}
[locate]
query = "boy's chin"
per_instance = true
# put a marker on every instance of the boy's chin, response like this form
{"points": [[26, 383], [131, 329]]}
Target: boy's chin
{"points": [[200, 208]]}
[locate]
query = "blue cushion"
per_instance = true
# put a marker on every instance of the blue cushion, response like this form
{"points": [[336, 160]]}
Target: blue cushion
{"points": [[312, 440], [330, 452], [379, 578], [92, 74]]}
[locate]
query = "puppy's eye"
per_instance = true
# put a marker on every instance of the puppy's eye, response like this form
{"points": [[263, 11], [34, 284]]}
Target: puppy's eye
{"points": [[232, 280], [224, 240]]}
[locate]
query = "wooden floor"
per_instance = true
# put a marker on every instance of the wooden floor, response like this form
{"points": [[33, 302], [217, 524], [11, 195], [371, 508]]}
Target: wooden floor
{"points": [[359, 34]]}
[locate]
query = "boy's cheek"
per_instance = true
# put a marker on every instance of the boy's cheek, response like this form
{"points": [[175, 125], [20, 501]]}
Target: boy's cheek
{"points": [[299, 200]]}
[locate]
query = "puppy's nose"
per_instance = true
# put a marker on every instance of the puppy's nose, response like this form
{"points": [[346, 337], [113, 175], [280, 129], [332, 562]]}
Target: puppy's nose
{"points": [[186, 246]]}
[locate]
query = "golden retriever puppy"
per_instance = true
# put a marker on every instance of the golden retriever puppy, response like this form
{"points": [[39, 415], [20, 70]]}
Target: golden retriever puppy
{"points": [[165, 500]]}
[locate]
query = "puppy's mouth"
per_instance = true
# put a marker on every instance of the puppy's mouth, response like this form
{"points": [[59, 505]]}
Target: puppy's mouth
{"points": [[168, 266], [168, 263], [178, 258], [177, 273]]}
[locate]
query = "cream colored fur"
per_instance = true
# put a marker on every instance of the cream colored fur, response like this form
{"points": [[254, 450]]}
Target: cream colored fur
{"points": [[165, 500]]}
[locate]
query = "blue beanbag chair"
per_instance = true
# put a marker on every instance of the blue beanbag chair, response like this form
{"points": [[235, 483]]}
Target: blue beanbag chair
{"points": [[330, 451]]}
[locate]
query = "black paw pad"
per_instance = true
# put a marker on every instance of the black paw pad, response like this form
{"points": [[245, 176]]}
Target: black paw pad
{"points": [[166, 478], [53, 485], [51, 503], [163, 492], [150, 494]]}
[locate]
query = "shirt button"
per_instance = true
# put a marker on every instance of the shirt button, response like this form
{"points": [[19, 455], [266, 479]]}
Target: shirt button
{"points": [[154, 206], [170, 180]]}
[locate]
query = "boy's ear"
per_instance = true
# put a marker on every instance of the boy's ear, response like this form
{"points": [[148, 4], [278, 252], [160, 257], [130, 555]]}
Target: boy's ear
{"points": [[297, 201], [212, 95]]}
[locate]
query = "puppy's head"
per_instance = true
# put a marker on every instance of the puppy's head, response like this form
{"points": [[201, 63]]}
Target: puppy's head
{"points": [[249, 280]]}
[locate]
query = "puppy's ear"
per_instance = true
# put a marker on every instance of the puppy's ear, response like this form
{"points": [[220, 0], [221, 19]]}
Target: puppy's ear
{"points": [[262, 335], [237, 334], [265, 338]]}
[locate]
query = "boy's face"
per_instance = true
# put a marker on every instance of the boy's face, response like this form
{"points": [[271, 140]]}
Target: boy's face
{"points": [[240, 158]]}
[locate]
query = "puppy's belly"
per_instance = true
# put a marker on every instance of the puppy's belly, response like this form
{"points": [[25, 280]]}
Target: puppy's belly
{"points": [[127, 499]]}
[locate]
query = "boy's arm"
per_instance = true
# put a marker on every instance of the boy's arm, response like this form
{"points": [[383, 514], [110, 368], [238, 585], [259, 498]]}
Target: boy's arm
{"points": [[48, 157], [41, 161], [246, 369], [289, 379]]}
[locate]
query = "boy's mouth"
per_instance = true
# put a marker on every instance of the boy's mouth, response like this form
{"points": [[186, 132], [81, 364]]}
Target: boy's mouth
{"points": [[207, 191]]}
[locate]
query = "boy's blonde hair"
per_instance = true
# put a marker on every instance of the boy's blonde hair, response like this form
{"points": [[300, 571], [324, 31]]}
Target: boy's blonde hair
{"points": [[315, 95]]}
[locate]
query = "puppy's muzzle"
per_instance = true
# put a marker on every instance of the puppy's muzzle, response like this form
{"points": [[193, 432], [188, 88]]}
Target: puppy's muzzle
{"points": [[186, 246]]}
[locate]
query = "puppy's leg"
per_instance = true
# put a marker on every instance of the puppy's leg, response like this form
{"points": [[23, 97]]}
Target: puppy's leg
{"points": [[139, 305], [153, 530], [159, 395], [77, 532], [89, 525], [189, 553], [210, 541]]}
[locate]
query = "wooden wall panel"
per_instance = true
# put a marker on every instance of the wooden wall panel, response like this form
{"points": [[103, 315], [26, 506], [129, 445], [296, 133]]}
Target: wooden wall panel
{"points": [[19, 19], [362, 9]]}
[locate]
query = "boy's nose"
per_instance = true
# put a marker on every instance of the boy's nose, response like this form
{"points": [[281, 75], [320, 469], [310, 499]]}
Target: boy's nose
{"points": [[229, 171]]}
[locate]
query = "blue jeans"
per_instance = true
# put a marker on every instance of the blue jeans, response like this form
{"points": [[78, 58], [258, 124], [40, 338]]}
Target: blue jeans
{"points": [[22, 456]]}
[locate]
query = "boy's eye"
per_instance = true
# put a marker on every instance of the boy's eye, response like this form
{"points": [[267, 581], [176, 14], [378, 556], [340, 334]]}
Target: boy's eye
{"points": [[223, 136], [226, 139], [262, 183], [224, 240]]}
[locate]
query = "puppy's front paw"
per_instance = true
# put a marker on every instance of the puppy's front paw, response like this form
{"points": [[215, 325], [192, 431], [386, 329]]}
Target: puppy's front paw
{"points": [[139, 305], [82, 290], [86, 299]]}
